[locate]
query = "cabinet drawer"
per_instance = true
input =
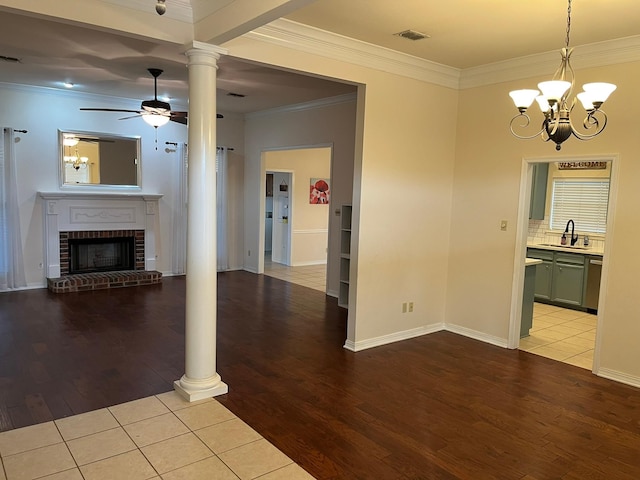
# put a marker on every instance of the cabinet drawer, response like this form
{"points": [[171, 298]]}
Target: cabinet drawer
{"points": [[541, 254], [573, 258]]}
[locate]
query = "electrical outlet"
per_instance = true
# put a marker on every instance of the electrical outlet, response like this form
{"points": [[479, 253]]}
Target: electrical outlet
{"points": [[40, 266], [410, 307], [503, 225], [248, 253], [404, 307]]}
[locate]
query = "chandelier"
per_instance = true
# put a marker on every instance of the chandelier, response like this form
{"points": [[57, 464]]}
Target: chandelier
{"points": [[75, 160], [556, 105]]}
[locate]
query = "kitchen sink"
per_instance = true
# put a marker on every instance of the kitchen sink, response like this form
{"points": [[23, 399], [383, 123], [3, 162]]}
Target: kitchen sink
{"points": [[575, 247]]}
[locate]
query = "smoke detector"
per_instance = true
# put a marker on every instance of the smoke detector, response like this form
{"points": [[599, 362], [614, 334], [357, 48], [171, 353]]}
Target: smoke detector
{"points": [[412, 35]]}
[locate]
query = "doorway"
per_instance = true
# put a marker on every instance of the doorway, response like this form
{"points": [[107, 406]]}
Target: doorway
{"points": [[564, 319], [296, 228], [278, 218]]}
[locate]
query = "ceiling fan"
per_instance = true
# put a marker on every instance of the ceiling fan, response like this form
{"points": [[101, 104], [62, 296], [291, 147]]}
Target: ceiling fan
{"points": [[155, 112]]}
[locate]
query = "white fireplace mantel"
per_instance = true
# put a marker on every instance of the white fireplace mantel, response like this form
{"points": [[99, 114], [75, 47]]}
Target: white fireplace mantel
{"points": [[80, 211]]}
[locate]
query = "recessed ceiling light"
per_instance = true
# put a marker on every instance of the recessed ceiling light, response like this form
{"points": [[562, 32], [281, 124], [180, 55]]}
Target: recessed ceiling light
{"points": [[68, 84], [412, 35]]}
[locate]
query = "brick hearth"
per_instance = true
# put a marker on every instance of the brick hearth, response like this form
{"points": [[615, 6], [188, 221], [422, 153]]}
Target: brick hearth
{"points": [[99, 281]]}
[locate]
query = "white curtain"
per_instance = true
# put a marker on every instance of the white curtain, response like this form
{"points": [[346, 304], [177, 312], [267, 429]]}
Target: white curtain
{"points": [[11, 258], [221, 208]]}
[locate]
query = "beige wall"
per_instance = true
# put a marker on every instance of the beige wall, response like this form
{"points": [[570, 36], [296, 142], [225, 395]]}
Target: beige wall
{"points": [[486, 190], [402, 192], [335, 125]]}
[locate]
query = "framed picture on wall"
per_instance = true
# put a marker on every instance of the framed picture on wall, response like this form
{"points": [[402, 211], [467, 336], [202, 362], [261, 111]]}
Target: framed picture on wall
{"points": [[319, 191]]}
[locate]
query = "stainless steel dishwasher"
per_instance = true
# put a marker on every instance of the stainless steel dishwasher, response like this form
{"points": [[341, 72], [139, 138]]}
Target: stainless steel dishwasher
{"points": [[593, 283]]}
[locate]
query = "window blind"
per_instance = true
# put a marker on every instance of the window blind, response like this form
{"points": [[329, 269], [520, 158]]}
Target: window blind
{"points": [[582, 200]]}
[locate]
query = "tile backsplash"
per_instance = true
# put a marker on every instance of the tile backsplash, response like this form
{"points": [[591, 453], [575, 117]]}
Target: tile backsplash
{"points": [[539, 232]]}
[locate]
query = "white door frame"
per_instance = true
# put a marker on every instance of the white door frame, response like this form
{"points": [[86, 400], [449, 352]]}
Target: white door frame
{"points": [[522, 230]]}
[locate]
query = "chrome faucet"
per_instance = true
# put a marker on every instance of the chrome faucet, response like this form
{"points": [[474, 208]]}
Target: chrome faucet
{"points": [[574, 236]]}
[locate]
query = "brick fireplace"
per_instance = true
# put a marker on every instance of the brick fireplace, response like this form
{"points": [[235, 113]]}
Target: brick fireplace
{"points": [[114, 235], [72, 243]]}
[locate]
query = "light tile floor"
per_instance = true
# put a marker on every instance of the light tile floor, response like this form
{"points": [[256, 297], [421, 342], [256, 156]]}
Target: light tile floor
{"points": [[159, 437], [562, 334], [312, 276]]}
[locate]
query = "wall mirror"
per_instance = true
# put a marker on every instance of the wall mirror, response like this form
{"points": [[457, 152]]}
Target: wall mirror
{"points": [[98, 159]]}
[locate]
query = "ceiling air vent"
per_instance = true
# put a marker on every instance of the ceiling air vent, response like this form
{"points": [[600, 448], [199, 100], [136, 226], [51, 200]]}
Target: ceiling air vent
{"points": [[412, 35], [238, 95]]}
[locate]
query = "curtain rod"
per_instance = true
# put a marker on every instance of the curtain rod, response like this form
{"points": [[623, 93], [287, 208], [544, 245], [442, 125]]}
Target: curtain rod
{"points": [[175, 144]]}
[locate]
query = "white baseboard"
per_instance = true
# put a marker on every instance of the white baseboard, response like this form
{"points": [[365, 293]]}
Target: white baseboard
{"points": [[393, 337], [619, 377], [476, 335], [309, 263]]}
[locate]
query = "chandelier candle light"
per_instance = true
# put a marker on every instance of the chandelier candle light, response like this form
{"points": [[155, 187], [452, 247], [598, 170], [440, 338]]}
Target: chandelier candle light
{"points": [[556, 107]]}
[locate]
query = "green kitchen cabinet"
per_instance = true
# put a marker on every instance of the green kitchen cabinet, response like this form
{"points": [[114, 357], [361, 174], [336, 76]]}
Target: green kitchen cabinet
{"points": [[560, 278], [568, 284], [544, 272], [538, 191]]}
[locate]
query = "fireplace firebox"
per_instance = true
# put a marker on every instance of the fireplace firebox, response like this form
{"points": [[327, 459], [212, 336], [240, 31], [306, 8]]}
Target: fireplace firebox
{"points": [[101, 251], [88, 255]]}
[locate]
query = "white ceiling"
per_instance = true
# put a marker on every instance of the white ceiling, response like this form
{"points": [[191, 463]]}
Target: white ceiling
{"points": [[464, 33], [469, 33]]}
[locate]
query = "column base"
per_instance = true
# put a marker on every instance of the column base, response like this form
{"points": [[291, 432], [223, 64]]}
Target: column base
{"points": [[195, 394]]}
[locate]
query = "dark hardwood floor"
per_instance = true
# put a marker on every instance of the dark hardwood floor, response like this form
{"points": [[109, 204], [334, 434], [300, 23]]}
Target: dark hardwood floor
{"points": [[440, 406]]}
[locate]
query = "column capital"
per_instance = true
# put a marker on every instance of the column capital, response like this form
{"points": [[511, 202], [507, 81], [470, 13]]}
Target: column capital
{"points": [[207, 49]]}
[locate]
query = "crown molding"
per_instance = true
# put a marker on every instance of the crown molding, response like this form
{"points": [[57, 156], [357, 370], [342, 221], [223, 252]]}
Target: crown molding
{"points": [[308, 39], [297, 36], [612, 52], [298, 107]]}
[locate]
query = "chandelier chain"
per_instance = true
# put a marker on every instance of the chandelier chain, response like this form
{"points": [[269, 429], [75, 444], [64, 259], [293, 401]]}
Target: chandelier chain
{"points": [[568, 22]]}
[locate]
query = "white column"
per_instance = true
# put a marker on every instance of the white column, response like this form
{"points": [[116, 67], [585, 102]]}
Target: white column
{"points": [[201, 379]]}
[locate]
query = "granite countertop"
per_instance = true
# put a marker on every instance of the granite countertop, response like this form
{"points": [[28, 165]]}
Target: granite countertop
{"points": [[528, 262], [559, 248]]}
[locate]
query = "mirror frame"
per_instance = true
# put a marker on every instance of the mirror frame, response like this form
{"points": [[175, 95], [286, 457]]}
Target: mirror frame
{"points": [[105, 136]]}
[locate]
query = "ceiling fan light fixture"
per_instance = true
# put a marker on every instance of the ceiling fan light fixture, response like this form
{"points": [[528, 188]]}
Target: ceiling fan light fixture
{"points": [[70, 141], [155, 120]]}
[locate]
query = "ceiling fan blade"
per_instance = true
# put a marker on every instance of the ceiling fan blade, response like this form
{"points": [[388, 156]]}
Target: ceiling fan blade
{"points": [[110, 110], [182, 120], [132, 116]]}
